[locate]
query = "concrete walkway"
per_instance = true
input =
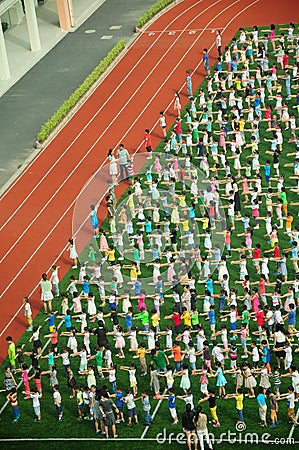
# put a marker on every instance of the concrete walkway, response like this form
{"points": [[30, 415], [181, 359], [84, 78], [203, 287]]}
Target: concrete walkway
{"points": [[20, 57], [26, 106]]}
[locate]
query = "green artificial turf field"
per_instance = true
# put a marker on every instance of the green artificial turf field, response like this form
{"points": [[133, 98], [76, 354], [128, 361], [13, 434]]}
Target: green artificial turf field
{"points": [[49, 428]]}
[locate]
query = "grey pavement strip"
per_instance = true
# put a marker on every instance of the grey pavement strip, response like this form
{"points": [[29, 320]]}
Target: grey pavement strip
{"points": [[33, 99]]}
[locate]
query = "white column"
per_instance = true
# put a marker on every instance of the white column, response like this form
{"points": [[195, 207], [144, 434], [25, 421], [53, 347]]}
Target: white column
{"points": [[32, 25], [4, 67], [16, 13]]}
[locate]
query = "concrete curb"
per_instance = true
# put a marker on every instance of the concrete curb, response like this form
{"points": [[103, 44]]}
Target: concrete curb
{"points": [[39, 146]]}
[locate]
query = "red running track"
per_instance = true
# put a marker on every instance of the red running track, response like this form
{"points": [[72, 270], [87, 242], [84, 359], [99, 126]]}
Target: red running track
{"points": [[36, 210]]}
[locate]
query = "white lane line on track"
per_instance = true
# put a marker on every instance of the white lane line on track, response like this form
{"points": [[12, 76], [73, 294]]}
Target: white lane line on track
{"points": [[101, 135], [115, 92], [36, 250], [61, 218], [97, 140], [18, 311], [152, 32]]}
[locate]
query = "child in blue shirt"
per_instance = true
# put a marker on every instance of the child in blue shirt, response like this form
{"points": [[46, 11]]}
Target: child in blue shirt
{"points": [[206, 61], [261, 400], [137, 287], [172, 406], [51, 320], [219, 64], [222, 301], [85, 286], [67, 320], [267, 169], [129, 319], [146, 408], [119, 404], [265, 352], [211, 317], [209, 285]]}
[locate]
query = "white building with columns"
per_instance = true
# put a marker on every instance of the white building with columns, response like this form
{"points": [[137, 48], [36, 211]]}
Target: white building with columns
{"points": [[13, 12]]}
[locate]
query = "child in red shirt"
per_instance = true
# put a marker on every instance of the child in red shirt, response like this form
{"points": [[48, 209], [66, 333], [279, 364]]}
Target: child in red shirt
{"points": [[176, 320], [148, 141], [285, 60], [12, 397], [256, 257], [260, 318]]}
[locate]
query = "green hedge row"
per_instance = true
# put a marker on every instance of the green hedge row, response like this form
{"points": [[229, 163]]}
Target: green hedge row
{"points": [[157, 7], [74, 98]]}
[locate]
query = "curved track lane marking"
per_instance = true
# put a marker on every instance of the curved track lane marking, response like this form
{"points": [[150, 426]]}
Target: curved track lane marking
{"points": [[107, 128], [11, 320], [91, 119]]}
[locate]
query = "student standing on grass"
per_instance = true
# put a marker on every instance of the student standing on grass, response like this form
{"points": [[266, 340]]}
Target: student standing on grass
{"points": [[46, 293], [28, 313], [35, 395], [132, 377], [12, 397], [294, 374], [98, 357], [148, 141], [132, 411], [11, 352], [211, 398], [94, 221], [73, 253], [239, 396], [273, 407], [55, 280], [177, 104], [25, 379], [290, 397], [161, 360], [162, 121], [120, 404], [106, 405], [54, 339], [9, 381], [67, 320], [51, 320], [171, 405], [148, 420], [261, 401], [189, 427], [53, 375], [57, 402], [202, 431]]}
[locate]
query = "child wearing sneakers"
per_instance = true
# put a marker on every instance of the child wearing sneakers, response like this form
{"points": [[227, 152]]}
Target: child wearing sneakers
{"points": [[211, 398], [290, 397], [171, 405]]}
